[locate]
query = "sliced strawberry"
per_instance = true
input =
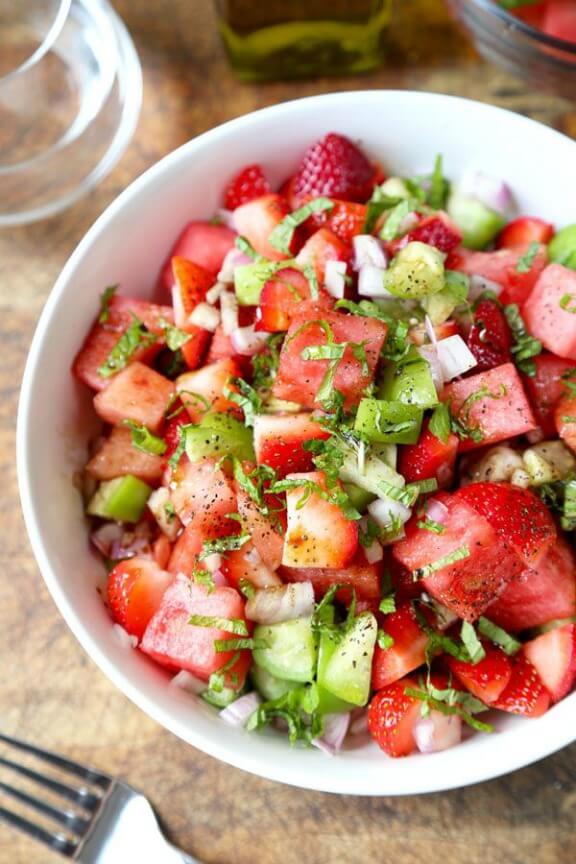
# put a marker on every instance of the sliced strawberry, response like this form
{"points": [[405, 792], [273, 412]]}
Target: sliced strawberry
{"points": [[250, 183], [135, 393], [266, 537], [318, 533], [203, 243], [518, 516], [419, 333], [392, 716], [429, 458], [565, 420], [489, 337], [298, 380], [525, 693], [172, 641], [544, 592], [546, 387], [437, 230], [335, 167], [194, 350], [203, 497], [208, 383], [134, 592], [523, 231], [161, 550], [321, 247], [117, 456], [548, 312], [363, 578], [246, 564], [172, 431], [553, 655], [257, 219], [345, 219], [103, 337], [191, 282], [282, 298], [279, 440], [408, 649], [493, 403], [467, 585], [486, 679]]}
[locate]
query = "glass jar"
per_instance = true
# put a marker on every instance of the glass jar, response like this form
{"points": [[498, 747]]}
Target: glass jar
{"points": [[280, 39]]}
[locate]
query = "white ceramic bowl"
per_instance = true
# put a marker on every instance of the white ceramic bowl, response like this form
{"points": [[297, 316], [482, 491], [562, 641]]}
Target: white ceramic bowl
{"points": [[127, 245]]}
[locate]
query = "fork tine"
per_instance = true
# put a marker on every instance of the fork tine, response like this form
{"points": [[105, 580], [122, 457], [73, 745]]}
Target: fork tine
{"points": [[90, 775], [80, 796], [58, 842], [76, 824]]}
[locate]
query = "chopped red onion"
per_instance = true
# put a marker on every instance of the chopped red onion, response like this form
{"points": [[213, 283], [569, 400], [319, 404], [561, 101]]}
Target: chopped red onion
{"points": [[248, 341], [490, 191], [430, 330], [283, 603], [239, 712], [213, 293], [455, 357], [205, 316], [479, 284], [335, 729], [129, 546], [234, 258], [371, 281], [219, 579], [105, 536], [374, 552], [359, 722], [386, 511], [184, 680], [229, 312], [127, 640], [430, 354], [213, 562], [335, 278], [368, 250], [535, 436], [437, 732], [436, 510], [157, 502]]}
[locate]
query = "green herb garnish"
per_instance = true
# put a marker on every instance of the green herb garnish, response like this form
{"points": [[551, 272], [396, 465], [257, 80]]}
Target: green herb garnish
{"points": [[281, 236], [144, 440], [135, 337], [105, 299]]}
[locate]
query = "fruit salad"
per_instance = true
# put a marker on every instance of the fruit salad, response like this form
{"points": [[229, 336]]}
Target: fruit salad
{"points": [[335, 485], [553, 17]]}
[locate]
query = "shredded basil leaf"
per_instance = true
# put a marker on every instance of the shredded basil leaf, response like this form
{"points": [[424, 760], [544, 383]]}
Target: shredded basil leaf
{"points": [[174, 337], [203, 577], [565, 302], [395, 217], [500, 637], [144, 440], [229, 625], [246, 247], [385, 641], [223, 544], [472, 643], [105, 299], [247, 588], [430, 525], [439, 186], [445, 561], [134, 337], [221, 645], [246, 397], [281, 236], [525, 262], [525, 346]]}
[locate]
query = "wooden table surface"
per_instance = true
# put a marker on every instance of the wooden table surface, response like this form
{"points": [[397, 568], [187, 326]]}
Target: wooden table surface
{"points": [[51, 692]]}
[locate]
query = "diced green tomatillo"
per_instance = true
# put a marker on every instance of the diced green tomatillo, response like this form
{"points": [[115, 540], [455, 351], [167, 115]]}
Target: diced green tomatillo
{"points": [[122, 499], [374, 476], [388, 453], [440, 306], [268, 685], [219, 435], [409, 381], [249, 279], [562, 247], [416, 271], [328, 703], [291, 653], [220, 698], [478, 223], [349, 670], [359, 498], [389, 422], [395, 187]]}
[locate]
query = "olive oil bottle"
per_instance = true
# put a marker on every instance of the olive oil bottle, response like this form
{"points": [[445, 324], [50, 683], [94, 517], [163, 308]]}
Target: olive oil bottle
{"points": [[280, 39]]}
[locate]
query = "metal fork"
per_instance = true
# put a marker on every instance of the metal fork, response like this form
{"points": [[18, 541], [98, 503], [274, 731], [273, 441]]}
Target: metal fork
{"points": [[112, 823]]}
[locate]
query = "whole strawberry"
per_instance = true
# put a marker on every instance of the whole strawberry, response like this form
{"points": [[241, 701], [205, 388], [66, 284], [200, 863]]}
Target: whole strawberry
{"points": [[335, 167], [249, 184]]}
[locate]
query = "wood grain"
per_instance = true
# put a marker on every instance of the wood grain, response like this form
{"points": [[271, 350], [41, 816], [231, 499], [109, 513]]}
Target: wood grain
{"points": [[51, 692]]}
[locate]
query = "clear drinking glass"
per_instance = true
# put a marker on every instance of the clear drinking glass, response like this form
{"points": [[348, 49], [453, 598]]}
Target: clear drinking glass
{"points": [[70, 96]]}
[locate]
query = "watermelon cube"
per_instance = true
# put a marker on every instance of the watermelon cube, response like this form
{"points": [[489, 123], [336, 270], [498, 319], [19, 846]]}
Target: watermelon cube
{"points": [[136, 393], [492, 403], [117, 456], [257, 219], [203, 243], [549, 311]]}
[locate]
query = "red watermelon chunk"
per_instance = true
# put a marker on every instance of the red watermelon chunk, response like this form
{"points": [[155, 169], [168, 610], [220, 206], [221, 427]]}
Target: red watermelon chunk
{"points": [[135, 393], [172, 641], [546, 387], [257, 219], [502, 267], [544, 312], [543, 592], [466, 586], [203, 243], [408, 649], [117, 456], [503, 412], [553, 655], [298, 380], [362, 577]]}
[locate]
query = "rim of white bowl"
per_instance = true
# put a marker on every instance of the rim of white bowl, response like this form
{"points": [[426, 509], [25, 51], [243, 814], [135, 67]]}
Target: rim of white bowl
{"points": [[530, 746]]}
